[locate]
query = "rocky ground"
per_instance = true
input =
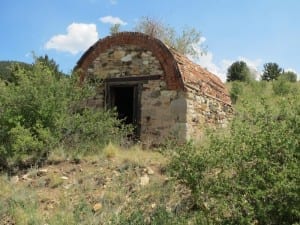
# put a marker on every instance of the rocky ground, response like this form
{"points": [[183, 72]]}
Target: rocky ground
{"points": [[91, 190]]}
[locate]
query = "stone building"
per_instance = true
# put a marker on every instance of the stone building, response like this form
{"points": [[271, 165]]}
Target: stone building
{"points": [[154, 87]]}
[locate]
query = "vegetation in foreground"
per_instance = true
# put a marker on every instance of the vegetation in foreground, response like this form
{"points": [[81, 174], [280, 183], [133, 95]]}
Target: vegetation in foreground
{"points": [[43, 109], [117, 186], [250, 173]]}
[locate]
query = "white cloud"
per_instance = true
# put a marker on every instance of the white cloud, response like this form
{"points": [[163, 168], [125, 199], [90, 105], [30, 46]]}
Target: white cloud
{"points": [[79, 37], [112, 20], [28, 54], [113, 2]]}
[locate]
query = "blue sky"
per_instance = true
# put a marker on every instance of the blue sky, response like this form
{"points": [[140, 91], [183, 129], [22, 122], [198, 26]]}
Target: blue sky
{"points": [[256, 31]]}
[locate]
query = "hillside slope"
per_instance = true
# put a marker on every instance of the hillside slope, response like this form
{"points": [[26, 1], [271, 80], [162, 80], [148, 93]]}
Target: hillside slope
{"points": [[6, 68], [113, 188]]}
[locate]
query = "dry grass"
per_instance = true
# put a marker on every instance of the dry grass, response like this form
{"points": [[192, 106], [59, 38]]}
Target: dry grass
{"points": [[65, 191]]}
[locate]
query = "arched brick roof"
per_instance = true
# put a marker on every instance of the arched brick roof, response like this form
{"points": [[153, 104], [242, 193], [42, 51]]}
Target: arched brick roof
{"points": [[179, 71]]}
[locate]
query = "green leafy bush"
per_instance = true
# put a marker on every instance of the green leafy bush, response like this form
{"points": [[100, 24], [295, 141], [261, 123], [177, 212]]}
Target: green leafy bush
{"points": [[157, 217], [44, 109], [83, 130], [281, 86], [251, 175], [28, 113], [235, 91]]}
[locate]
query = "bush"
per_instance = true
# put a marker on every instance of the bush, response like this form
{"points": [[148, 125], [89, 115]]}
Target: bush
{"points": [[235, 91], [44, 109], [82, 131], [29, 111], [157, 217], [281, 86], [289, 76], [250, 176]]}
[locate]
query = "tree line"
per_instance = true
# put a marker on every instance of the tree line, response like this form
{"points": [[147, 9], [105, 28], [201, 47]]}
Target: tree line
{"points": [[239, 71]]}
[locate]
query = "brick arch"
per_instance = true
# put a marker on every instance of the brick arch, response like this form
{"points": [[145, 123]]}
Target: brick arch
{"points": [[159, 50]]}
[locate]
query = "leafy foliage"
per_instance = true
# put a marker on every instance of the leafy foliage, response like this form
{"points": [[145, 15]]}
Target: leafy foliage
{"points": [[289, 76], [250, 175], [50, 64], [29, 110], [235, 91], [114, 29], [44, 109], [183, 42], [271, 71], [157, 217], [8, 68], [81, 131], [238, 71], [282, 86]]}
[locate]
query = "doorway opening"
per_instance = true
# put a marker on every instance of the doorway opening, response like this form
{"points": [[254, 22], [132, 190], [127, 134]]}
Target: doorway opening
{"points": [[125, 99]]}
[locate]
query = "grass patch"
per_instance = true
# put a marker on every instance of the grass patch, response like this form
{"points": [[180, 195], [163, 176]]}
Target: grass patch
{"points": [[110, 178]]}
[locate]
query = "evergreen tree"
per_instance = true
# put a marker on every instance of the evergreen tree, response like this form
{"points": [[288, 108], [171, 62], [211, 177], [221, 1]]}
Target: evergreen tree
{"points": [[238, 71], [271, 71]]}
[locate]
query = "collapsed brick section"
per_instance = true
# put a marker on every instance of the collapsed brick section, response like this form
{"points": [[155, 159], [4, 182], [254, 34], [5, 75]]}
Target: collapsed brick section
{"points": [[174, 96]]}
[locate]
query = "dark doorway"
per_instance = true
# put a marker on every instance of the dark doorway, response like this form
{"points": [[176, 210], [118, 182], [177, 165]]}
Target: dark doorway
{"points": [[126, 99], [123, 99]]}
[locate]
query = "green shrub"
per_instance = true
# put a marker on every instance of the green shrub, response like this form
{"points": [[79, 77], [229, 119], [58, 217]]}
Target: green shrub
{"points": [[157, 217], [43, 109], [289, 76], [250, 176], [235, 91], [29, 110], [90, 128], [281, 86]]}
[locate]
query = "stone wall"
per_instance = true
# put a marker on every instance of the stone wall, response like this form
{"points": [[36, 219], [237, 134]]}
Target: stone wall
{"points": [[163, 113], [205, 112], [124, 61]]}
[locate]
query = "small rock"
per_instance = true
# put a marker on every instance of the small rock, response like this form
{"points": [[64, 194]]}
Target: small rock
{"points": [[26, 177], [64, 178], [116, 173], [68, 186], [162, 84], [150, 171], [126, 58], [206, 206], [42, 172], [144, 180], [97, 207], [147, 220], [168, 209], [14, 179]]}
